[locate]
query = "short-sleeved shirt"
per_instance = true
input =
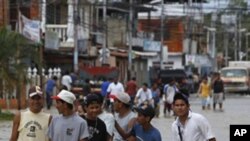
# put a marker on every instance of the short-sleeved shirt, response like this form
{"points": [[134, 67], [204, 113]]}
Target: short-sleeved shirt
{"points": [[109, 121], [115, 88], [152, 134], [70, 128], [144, 95], [67, 81], [123, 123], [104, 88], [97, 130], [50, 86], [196, 128]]}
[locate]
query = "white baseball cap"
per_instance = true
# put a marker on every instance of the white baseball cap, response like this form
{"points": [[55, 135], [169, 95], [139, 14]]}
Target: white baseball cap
{"points": [[66, 96], [122, 96]]}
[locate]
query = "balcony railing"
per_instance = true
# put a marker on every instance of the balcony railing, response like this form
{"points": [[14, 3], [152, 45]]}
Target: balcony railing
{"points": [[61, 29]]}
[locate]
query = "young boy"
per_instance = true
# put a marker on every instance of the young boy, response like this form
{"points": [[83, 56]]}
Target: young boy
{"points": [[144, 130], [189, 126], [97, 128]]}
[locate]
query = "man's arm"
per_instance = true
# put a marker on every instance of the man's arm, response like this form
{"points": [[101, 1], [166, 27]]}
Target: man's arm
{"points": [[124, 134], [16, 122]]}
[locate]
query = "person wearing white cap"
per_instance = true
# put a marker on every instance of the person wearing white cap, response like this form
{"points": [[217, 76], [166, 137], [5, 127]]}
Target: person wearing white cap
{"points": [[124, 116], [68, 126], [31, 125]]}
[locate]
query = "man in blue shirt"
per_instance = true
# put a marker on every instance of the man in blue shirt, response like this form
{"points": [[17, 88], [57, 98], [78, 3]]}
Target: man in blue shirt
{"points": [[105, 86], [144, 130], [51, 83]]}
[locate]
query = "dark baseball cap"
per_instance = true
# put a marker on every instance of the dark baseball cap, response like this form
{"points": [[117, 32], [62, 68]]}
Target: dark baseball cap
{"points": [[35, 90], [146, 110], [92, 99]]}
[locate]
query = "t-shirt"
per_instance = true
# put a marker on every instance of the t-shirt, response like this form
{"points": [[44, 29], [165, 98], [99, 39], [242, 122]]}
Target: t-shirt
{"points": [[69, 128], [123, 123], [50, 86], [97, 130], [67, 81], [218, 86], [115, 88], [104, 88], [152, 134], [33, 127], [170, 91], [109, 121], [131, 88], [144, 95]]}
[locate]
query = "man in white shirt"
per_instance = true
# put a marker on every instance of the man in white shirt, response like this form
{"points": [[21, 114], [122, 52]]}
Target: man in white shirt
{"points": [[66, 80], [189, 126], [143, 95], [115, 87]]}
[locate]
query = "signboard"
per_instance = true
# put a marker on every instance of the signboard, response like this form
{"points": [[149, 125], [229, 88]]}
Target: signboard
{"points": [[149, 45]]}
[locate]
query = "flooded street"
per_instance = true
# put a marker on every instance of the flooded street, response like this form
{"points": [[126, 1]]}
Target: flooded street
{"points": [[5, 130]]}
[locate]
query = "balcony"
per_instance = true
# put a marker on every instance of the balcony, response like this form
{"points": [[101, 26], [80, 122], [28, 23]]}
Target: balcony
{"points": [[61, 29]]}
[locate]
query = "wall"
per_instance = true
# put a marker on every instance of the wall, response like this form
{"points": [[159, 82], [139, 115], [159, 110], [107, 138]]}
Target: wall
{"points": [[173, 32]]}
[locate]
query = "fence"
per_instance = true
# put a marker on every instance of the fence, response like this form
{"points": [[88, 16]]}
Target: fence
{"points": [[10, 101]]}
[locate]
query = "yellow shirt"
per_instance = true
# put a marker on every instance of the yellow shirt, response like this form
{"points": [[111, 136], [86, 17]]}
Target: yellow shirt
{"points": [[205, 90], [33, 127]]}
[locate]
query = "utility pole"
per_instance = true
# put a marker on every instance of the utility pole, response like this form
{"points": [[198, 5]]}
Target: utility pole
{"points": [[226, 46], [236, 39], [130, 39], [104, 46], [247, 34], [162, 34], [213, 48], [75, 13]]}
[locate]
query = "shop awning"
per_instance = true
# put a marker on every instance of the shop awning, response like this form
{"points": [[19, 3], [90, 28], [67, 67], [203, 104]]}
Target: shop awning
{"points": [[146, 54]]}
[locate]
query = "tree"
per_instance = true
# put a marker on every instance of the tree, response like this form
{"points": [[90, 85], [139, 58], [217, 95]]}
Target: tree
{"points": [[15, 53]]}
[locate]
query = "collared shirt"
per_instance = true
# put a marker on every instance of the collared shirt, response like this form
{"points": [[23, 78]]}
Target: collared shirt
{"points": [[196, 128]]}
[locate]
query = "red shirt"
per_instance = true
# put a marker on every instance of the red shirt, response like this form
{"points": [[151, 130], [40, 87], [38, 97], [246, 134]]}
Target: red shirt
{"points": [[131, 88]]}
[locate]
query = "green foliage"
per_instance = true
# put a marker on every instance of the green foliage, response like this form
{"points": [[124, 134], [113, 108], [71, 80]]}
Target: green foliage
{"points": [[15, 50], [238, 3], [6, 116]]}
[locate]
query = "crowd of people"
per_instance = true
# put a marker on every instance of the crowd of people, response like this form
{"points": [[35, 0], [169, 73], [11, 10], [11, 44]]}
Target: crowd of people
{"points": [[119, 113]]}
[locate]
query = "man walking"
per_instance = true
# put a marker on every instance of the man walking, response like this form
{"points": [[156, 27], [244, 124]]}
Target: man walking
{"points": [[218, 91], [50, 85], [131, 89]]}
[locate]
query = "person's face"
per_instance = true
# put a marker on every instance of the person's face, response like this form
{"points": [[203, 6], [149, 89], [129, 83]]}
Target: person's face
{"points": [[141, 119], [60, 106], [144, 88], [180, 108], [36, 103], [117, 105], [93, 110], [80, 109]]}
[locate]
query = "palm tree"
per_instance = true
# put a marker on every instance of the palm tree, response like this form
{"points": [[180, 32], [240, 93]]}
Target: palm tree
{"points": [[15, 53]]}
